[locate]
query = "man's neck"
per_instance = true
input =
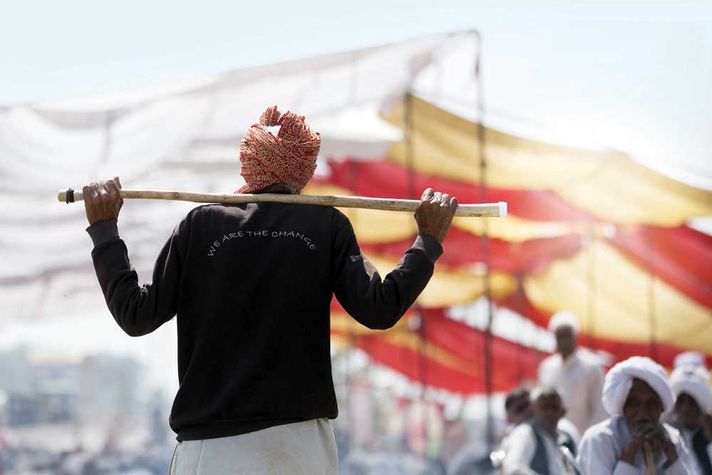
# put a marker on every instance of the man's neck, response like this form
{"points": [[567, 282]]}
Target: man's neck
{"points": [[693, 428], [279, 188], [550, 432]]}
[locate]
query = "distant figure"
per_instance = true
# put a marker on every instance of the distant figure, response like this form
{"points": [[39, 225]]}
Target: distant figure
{"points": [[693, 404], [518, 407], [536, 446], [690, 358], [575, 373], [636, 393]]}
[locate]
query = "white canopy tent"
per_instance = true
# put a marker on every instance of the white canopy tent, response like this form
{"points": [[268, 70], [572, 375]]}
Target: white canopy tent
{"points": [[173, 137]]}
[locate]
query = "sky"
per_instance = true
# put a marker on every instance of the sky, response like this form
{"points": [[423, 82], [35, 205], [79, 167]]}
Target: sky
{"points": [[69, 48]]}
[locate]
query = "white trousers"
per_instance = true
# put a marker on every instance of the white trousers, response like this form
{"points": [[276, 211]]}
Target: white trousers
{"points": [[307, 448]]}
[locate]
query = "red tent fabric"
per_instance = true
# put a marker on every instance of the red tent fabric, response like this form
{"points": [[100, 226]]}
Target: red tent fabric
{"points": [[463, 249], [619, 350], [445, 353], [680, 256], [381, 178]]}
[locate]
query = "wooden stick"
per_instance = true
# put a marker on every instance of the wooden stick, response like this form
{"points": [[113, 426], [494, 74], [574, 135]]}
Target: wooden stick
{"points": [[470, 210], [649, 458]]}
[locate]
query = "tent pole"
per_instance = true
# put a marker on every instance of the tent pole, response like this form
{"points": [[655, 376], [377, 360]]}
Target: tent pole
{"points": [[409, 148], [422, 363], [652, 320], [521, 350], [591, 278], [484, 239], [412, 194]]}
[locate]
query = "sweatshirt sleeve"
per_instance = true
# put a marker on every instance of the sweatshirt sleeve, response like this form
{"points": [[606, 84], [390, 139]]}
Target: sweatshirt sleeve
{"points": [[374, 302], [138, 309]]}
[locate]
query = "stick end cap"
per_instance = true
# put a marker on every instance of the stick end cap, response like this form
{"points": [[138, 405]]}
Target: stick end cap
{"points": [[66, 196], [502, 209]]}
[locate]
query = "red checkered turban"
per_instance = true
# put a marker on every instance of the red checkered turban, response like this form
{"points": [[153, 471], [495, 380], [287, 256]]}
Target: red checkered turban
{"points": [[289, 158]]}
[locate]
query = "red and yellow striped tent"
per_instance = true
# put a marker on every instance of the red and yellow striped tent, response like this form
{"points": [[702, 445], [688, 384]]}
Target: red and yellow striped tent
{"points": [[591, 232]]}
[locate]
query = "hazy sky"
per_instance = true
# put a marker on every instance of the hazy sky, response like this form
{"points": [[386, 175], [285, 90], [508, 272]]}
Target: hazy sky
{"points": [[630, 75], [69, 48]]}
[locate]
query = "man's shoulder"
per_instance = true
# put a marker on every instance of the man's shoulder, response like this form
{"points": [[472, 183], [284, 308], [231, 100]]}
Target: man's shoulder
{"points": [[199, 212], [604, 430], [550, 361], [599, 447], [205, 209], [522, 431], [223, 209], [589, 359], [339, 215]]}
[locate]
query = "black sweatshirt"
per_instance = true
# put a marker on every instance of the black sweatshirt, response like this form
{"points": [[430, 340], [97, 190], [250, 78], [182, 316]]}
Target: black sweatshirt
{"points": [[251, 286]]}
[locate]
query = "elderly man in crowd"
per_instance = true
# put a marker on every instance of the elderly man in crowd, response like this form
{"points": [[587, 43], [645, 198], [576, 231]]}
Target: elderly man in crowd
{"points": [[537, 446], [636, 393], [518, 407], [691, 414], [689, 358], [574, 372]]}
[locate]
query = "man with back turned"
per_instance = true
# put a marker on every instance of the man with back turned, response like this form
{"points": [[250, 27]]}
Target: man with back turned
{"points": [[251, 286]]}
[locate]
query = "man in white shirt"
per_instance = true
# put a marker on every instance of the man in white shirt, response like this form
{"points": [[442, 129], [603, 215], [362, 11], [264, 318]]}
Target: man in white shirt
{"points": [[636, 394], [693, 402], [574, 372], [537, 447]]}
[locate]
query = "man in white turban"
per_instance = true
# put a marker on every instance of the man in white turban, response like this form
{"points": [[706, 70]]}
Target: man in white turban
{"points": [[636, 394], [693, 410], [690, 358], [575, 373]]}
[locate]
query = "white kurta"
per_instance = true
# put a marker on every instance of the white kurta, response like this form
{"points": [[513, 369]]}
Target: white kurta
{"points": [[688, 435], [579, 380], [520, 449], [602, 445]]}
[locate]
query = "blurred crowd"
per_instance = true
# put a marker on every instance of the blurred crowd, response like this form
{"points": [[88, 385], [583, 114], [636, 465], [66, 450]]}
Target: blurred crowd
{"points": [[635, 419]]}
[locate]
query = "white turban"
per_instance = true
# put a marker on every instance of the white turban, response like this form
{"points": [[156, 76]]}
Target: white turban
{"points": [[563, 319], [690, 358], [620, 378], [695, 381]]}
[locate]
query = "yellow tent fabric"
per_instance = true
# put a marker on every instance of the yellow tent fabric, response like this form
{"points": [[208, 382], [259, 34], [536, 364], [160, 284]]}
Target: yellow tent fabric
{"points": [[609, 185], [617, 306], [627, 303], [401, 336], [452, 287]]}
